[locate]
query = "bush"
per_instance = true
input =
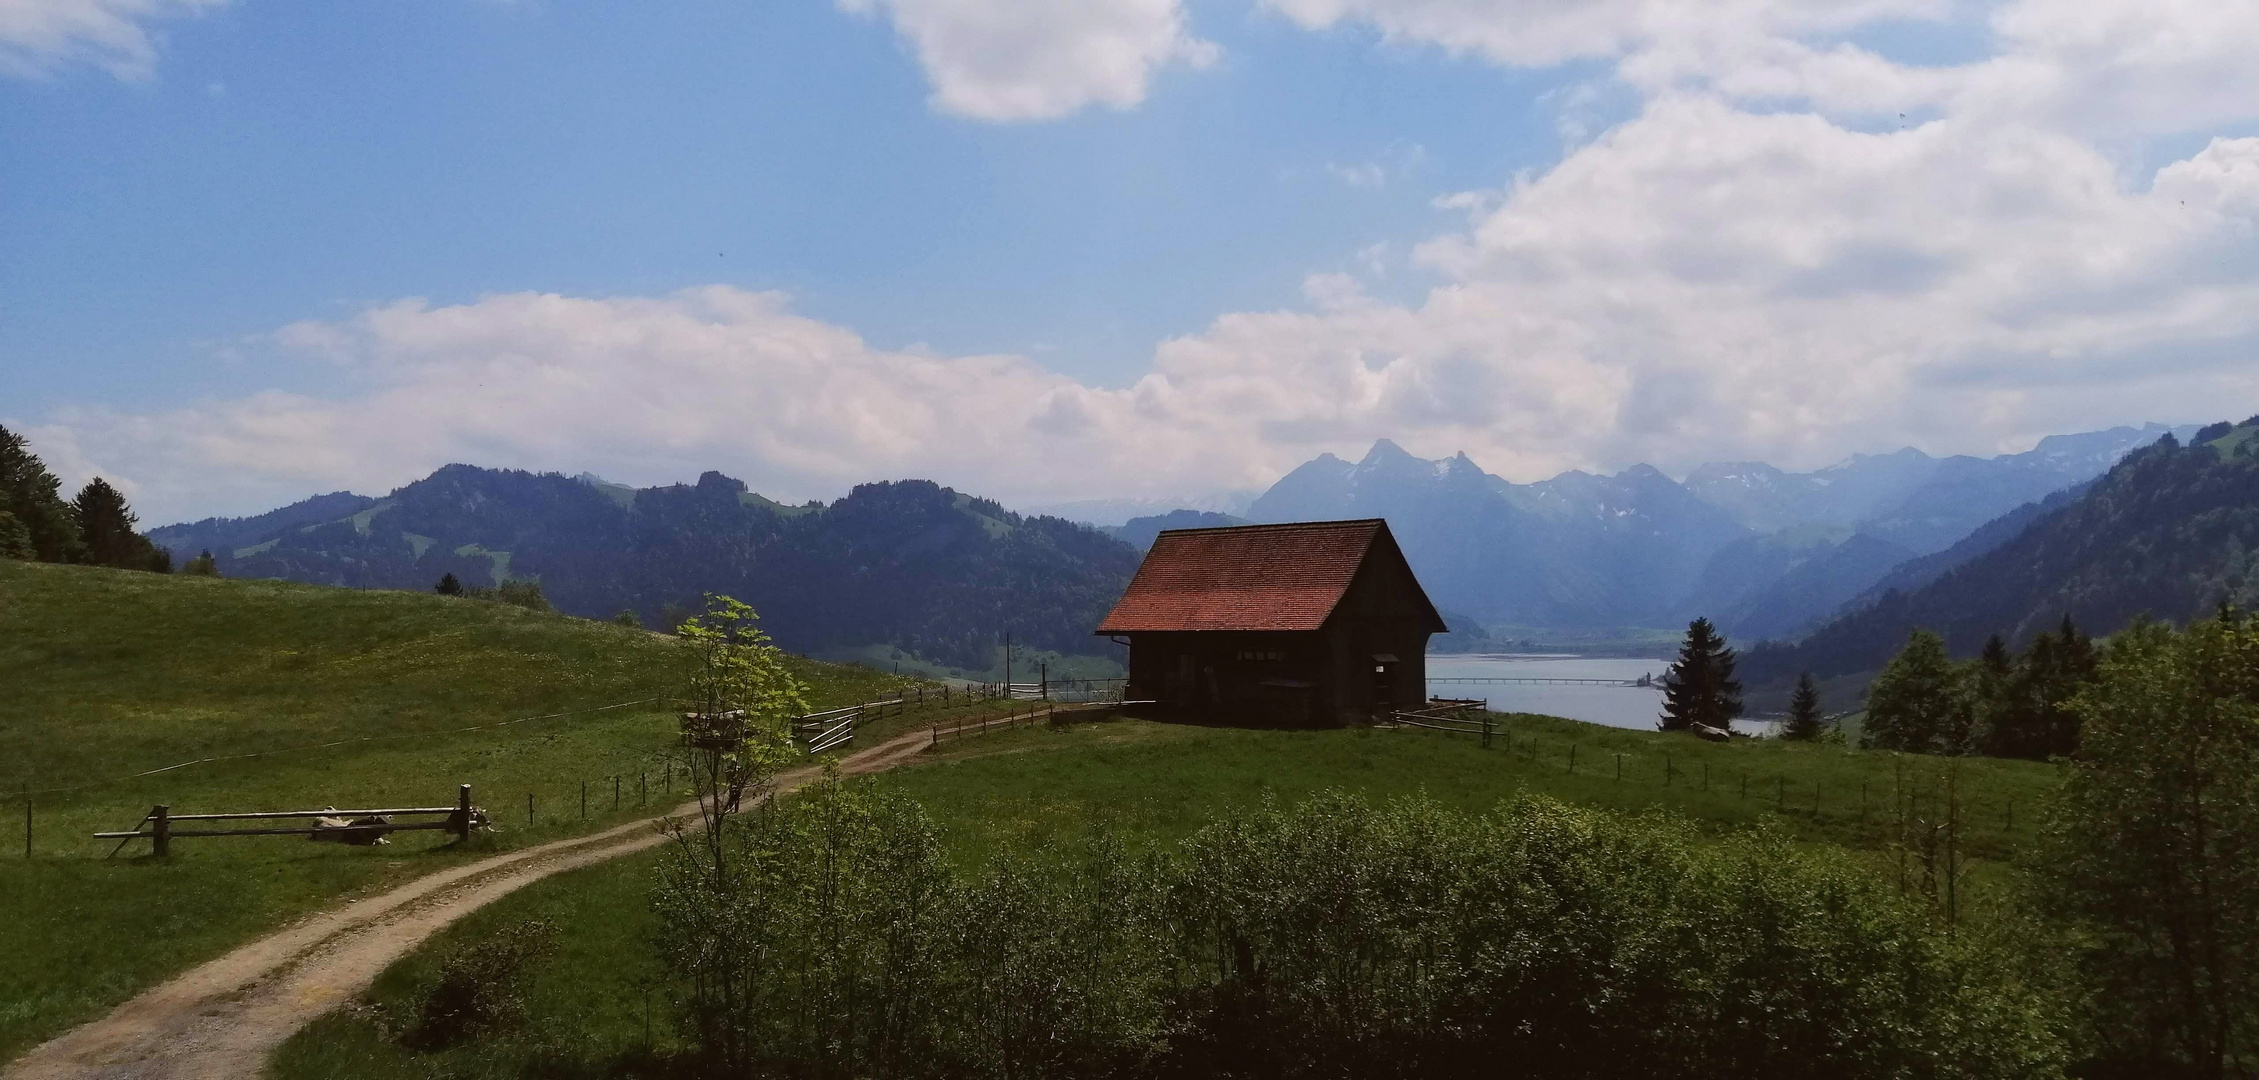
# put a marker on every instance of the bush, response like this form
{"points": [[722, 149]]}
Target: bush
{"points": [[1339, 939], [481, 988]]}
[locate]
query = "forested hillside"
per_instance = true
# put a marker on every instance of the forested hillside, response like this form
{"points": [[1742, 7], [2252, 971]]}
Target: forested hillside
{"points": [[910, 564], [2169, 532]]}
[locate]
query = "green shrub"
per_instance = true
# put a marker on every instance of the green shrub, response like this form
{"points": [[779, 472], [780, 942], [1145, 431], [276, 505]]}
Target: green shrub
{"points": [[1339, 939], [481, 988]]}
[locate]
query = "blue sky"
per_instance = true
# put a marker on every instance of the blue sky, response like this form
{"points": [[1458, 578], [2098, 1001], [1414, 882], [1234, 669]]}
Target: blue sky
{"points": [[293, 161], [251, 250]]}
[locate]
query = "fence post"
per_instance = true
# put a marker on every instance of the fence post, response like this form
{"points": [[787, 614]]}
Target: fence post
{"points": [[584, 800], [462, 820], [27, 826], [615, 792], [529, 809], [1572, 757], [1666, 770], [1486, 733], [161, 831], [1619, 766], [642, 789]]}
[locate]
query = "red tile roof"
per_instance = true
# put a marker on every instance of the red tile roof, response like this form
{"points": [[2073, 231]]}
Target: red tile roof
{"points": [[1248, 577]]}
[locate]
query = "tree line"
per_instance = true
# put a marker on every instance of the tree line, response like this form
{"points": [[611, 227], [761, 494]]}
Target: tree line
{"points": [[95, 528]]}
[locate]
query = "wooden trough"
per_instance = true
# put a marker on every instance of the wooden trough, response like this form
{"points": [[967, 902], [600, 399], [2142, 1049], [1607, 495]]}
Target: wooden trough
{"points": [[158, 828]]}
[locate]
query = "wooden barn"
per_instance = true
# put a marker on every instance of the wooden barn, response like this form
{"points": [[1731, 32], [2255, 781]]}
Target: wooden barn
{"points": [[1310, 623]]}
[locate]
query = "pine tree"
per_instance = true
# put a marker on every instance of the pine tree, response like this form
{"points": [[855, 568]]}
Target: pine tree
{"points": [[1700, 687], [449, 585], [1803, 711], [105, 529], [15, 540], [31, 495]]}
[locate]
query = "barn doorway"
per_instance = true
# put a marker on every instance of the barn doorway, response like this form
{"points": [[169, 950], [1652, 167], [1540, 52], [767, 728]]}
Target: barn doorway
{"points": [[1384, 681]]}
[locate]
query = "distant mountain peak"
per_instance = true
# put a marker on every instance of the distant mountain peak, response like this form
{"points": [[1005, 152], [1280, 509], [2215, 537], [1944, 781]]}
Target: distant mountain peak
{"points": [[1385, 452], [712, 479]]}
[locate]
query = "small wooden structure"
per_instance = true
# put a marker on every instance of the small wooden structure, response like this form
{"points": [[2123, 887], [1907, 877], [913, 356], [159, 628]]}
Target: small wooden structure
{"points": [[1308, 623], [355, 826]]}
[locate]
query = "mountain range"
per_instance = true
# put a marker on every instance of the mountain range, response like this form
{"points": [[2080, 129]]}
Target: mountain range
{"points": [[942, 575], [911, 565], [2170, 532], [1764, 552]]}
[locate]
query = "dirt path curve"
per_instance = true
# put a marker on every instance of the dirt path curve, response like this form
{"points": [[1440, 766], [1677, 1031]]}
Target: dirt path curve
{"points": [[220, 1020]]}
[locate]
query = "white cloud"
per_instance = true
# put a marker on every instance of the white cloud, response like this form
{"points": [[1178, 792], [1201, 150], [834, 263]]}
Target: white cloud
{"points": [[39, 36], [1014, 60], [1721, 276]]}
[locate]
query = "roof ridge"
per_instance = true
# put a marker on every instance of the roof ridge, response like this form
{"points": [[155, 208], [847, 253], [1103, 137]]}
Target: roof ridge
{"points": [[1276, 526]]}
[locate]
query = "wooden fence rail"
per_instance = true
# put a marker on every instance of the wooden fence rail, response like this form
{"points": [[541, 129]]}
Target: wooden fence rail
{"points": [[461, 818]]}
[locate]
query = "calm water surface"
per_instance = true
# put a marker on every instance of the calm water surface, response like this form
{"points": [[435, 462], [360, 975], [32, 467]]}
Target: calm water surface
{"points": [[1615, 706]]}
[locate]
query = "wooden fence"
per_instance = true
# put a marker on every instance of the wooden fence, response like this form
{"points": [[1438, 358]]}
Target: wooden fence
{"points": [[158, 828], [1463, 717]]}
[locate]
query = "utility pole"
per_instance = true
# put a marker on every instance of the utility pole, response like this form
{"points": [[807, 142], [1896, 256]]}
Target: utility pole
{"points": [[1007, 665]]}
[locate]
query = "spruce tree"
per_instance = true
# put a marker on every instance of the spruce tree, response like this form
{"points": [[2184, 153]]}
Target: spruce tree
{"points": [[1700, 687], [105, 529], [203, 565], [1803, 711], [449, 585], [32, 495], [15, 540]]}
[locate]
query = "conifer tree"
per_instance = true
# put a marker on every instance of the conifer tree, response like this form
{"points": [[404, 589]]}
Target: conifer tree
{"points": [[31, 495], [203, 565], [1700, 687], [15, 540], [105, 529], [449, 585], [1803, 711]]}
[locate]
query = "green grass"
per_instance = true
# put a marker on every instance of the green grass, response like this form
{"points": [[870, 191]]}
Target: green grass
{"points": [[110, 673], [1157, 783], [1162, 781], [588, 1000]]}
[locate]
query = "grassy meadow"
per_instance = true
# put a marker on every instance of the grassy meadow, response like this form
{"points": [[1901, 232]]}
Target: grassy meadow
{"points": [[110, 673], [1156, 783]]}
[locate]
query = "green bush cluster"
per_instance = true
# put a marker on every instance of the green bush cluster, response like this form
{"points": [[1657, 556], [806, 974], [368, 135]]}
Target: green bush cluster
{"points": [[2153, 851], [2002, 704], [1333, 938], [481, 988]]}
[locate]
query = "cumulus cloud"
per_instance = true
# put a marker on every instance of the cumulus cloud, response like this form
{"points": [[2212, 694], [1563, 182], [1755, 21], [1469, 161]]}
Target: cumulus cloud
{"points": [[1738, 270], [40, 36], [1009, 60]]}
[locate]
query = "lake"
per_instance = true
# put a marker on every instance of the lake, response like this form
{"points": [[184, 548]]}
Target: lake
{"points": [[1615, 706]]}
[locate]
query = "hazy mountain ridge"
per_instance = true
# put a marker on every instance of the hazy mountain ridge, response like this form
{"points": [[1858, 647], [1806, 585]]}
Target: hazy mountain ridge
{"points": [[1140, 532], [909, 564], [1765, 552], [2172, 531]]}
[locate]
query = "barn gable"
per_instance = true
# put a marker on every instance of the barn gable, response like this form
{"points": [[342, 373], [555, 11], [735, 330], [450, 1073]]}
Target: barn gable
{"points": [[1260, 578], [1312, 622]]}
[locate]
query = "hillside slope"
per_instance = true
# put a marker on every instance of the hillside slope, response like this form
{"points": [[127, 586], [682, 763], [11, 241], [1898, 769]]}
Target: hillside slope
{"points": [[908, 564], [2170, 532], [126, 689]]}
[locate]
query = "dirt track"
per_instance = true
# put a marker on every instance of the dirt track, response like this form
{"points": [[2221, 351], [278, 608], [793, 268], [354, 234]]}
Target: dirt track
{"points": [[221, 1019]]}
